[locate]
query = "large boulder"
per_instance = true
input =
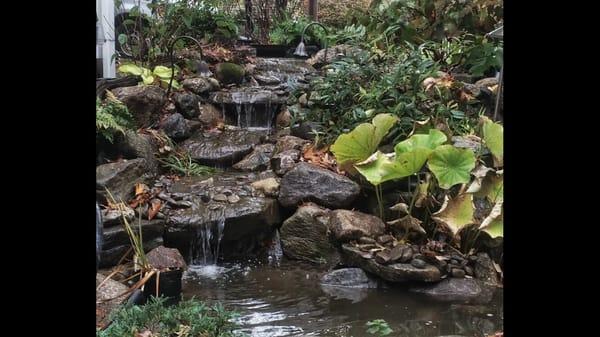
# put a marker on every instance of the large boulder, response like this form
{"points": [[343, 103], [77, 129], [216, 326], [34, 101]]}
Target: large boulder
{"points": [[304, 236], [187, 104], [132, 145], [348, 225], [144, 102], [120, 178], [199, 85], [229, 73], [224, 149], [457, 290], [395, 272], [307, 182], [176, 127]]}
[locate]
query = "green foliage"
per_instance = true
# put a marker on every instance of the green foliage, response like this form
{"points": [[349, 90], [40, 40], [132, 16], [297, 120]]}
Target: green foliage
{"points": [[160, 73], [361, 142], [493, 136], [188, 318], [289, 31], [378, 327], [451, 165], [483, 56], [112, 117], [182, 163], [199, 19]]}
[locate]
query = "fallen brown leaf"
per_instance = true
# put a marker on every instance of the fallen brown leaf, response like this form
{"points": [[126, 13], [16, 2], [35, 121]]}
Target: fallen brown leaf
{"points": [[155, 207]]}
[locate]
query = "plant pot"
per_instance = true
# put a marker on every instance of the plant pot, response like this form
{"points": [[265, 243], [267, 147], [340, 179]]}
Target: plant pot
{"points": [[169, 286]]}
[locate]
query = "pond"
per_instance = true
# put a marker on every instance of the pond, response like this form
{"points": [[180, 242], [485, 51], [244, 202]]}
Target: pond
{"points": [[286, 299]]}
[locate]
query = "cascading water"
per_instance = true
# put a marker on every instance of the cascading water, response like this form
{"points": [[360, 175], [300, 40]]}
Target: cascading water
{"points": [[275, 252], [205, 251]]}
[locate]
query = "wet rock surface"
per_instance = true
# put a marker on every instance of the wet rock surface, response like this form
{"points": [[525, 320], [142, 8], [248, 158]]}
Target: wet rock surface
{"points": [[457, 290], [306, 182], [163, 258], [257, 160], [351, 225], [112, 256], [187, 104], [176, 127], [143, 102], [349, 277], [304, 236], [284, 161], [199, 85], [395, 272], [120, 177], [222, 148], [117, 235]]}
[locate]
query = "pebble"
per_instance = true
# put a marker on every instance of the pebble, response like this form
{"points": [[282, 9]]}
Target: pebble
{"points": [[383, 239], [233, 199], [458, 273], [469, 271], [418, 263], [473, 258], [366, 239], [220, 197]]}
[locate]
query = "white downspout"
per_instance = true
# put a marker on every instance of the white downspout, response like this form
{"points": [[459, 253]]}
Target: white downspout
{"points": [[107, 18]]}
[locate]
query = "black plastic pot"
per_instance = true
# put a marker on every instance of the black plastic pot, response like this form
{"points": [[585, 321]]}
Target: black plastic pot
{"points": [[169, 286]]}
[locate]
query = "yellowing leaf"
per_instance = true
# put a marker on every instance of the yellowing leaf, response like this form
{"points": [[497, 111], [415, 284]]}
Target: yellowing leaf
{"points": [[493, 136], [456, 213], [493, 224], [131, 69]]}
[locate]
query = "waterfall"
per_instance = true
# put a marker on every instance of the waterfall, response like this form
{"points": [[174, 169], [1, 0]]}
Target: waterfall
{"points": [[205, 250], [275, 252]]}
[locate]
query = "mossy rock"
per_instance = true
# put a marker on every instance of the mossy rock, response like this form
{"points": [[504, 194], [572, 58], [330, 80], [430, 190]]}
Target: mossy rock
{"points": [[228, 73]]}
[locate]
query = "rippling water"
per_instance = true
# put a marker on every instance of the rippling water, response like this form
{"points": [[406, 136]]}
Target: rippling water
{"points": [[287, 300]]}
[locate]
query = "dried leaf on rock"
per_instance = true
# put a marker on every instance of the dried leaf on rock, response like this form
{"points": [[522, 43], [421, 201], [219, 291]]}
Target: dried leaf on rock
{"points": [[155, 207], [408, 223]]}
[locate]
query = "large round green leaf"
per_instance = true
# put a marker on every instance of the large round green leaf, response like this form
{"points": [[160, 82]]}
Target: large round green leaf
{"points": [[361, 142], [430, 141], [451, 165], [382, 167], [131, 69]]}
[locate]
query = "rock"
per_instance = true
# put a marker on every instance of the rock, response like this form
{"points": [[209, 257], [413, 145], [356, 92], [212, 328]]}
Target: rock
{"points": [[383, 239], [349, 277], [246, 95], [225, 148], [366, 240], [307, 182], [111, 257], [383, 257], [283, 118], [269, 186], [418, 263], [187, 104], [163, 258], [107, 300], [210, 116], [220, 197], [306, 130], [229, 73], [284, 161], [395, 272], [198, 85], [232, 199], [303, 99], [144, 102], [117, 235], [266, 80], [458, 273], [194, 125], [257, 160], [134, 145], [112, 217], [287, 143], [120, 178], [485, 271], [304, 236], [487, 82], [456, 290], [176, 127], [469, 271], [247, 217], [351, 225], [334, 53]]}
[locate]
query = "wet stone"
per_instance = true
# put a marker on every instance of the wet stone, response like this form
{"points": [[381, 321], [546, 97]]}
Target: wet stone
{"points": [[458, 273], [220, 197], [366, 240], [418, 263], [383, 239]]}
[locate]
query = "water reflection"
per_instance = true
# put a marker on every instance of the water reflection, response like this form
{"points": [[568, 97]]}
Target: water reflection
{"points": [[289, 301]]}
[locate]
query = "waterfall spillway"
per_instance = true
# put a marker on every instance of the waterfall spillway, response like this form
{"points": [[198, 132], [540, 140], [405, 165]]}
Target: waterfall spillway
{"points": [[206, 243]]}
